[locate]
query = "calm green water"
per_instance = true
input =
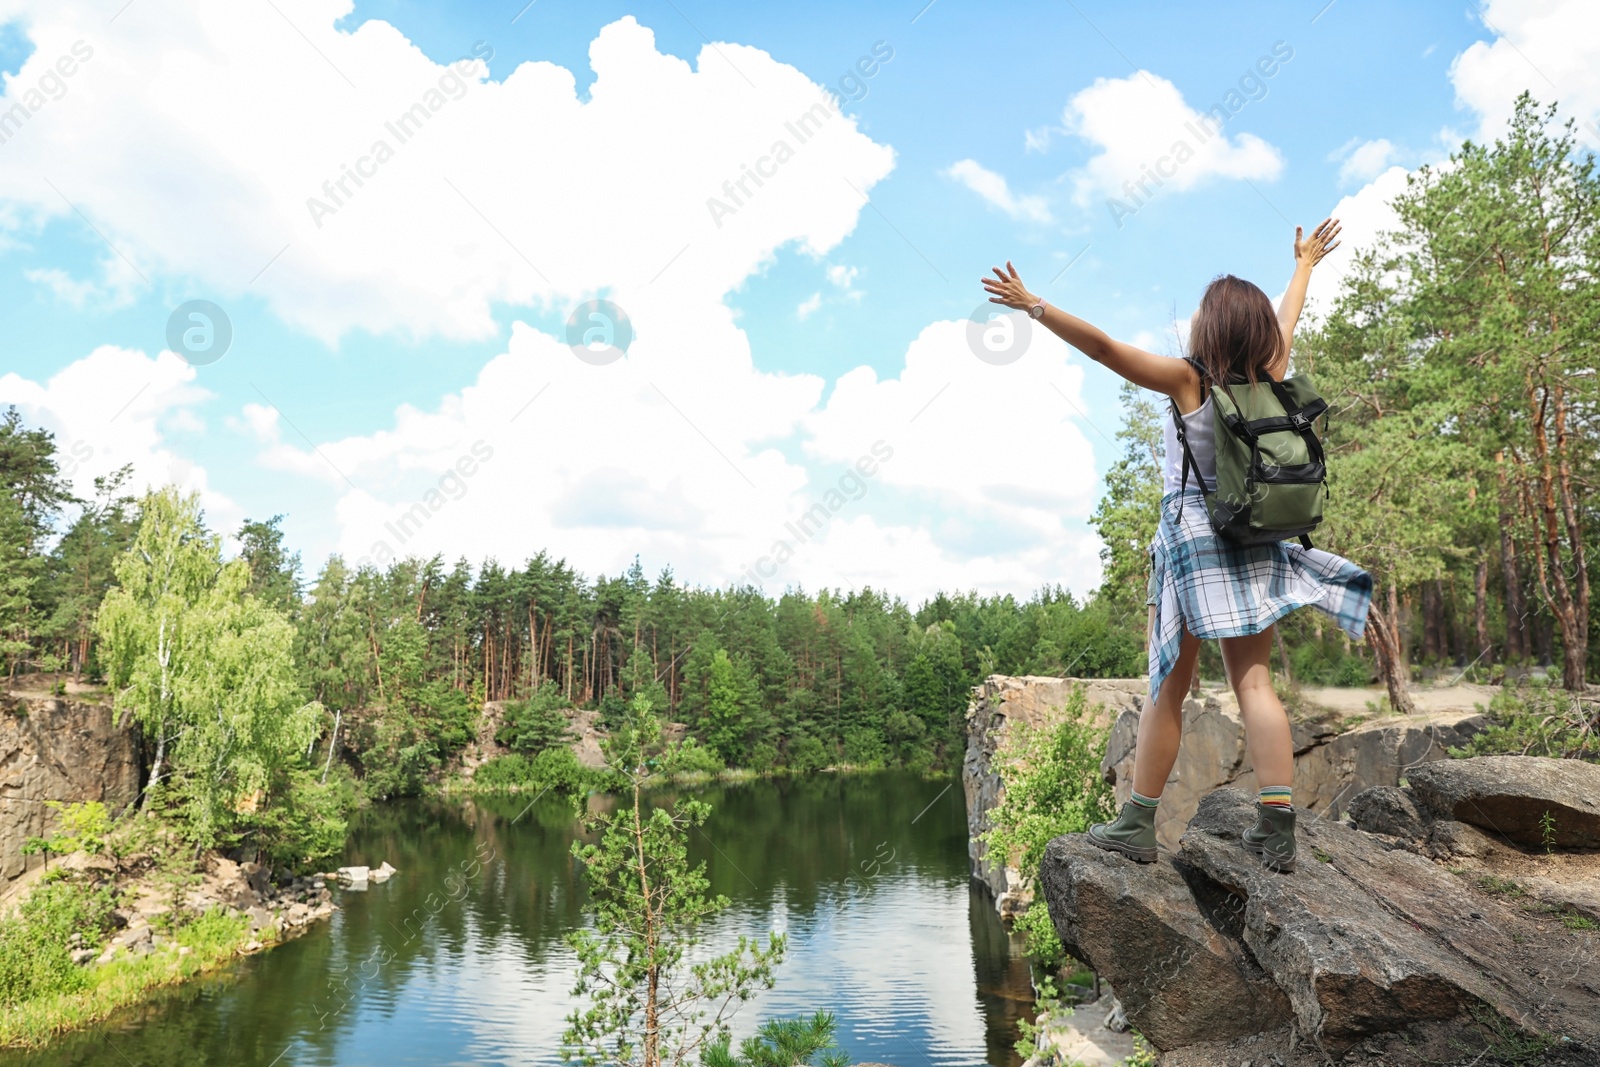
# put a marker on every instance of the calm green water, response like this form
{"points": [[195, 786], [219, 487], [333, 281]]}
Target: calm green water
{"points": [[868, 874]]}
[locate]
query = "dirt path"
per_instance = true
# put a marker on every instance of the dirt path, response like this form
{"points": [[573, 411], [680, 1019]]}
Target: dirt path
{"points": [[1459, 697]]}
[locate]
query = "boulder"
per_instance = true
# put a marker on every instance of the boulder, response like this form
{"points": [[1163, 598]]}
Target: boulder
{"points": [[1177, 969], [1366, 943], [383, 874], [355, 876], [1386, 809], [1333, 762], [1449, 839], [1329, 934], [257, 878], [1331, 765], [1515, 797]]}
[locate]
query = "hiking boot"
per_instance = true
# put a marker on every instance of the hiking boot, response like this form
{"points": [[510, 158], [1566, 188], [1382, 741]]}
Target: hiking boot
{"points": [[1133, 833], [1271, 839]]}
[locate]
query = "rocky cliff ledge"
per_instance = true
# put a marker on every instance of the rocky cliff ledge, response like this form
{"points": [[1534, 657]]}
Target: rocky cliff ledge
{"points": [[57, 748], [999, 706], [1335, 757], [1443, 928]]}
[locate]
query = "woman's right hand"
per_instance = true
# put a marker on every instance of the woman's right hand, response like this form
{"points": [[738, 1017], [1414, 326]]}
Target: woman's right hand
{"points": [[1308, 251]]}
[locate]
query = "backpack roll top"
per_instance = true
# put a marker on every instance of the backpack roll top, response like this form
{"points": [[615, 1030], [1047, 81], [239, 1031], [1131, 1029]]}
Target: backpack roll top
{"points": [[1271, 470]]}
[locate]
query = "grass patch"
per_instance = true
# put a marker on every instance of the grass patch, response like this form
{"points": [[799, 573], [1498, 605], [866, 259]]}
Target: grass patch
{"points": [[1503, 887], [1569, 916], [92, 993], [1506, 1042]]}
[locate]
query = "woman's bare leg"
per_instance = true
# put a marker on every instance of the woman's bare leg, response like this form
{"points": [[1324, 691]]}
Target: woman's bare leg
{"points": [[1266, 724], [1161, 724]]}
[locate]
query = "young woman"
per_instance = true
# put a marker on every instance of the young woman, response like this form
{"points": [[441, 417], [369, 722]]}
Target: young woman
{"points": [[1203, 586]]}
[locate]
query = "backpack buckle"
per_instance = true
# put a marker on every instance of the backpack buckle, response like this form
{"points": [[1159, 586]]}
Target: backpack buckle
{"points": [[1299, 420]]}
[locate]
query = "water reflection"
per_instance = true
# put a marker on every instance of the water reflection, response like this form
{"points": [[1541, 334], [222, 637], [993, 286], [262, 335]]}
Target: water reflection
{"points": [[460, 958]]}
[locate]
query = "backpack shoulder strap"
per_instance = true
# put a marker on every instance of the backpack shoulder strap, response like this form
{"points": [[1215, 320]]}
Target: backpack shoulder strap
{"points": [[1188, 456]]}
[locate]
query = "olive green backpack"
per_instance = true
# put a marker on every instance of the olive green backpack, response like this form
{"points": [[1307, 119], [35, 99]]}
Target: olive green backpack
{"points": [[1271, 472]]}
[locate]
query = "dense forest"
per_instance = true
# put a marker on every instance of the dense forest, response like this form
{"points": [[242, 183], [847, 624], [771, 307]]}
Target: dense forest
{"points": [[1460, 362]]}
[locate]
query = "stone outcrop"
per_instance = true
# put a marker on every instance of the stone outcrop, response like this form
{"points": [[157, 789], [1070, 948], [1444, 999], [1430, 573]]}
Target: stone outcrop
{"points": [[1077, 1037], [1332, 763], [1370, 952], [65, 748], [1527, 799], [1178, 970], [999, 707], [587, 735]]}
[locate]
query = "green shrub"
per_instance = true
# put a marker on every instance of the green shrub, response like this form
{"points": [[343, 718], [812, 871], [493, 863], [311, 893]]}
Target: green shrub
{"points": [[302, 820], [1053, 786], [781, 1043], [397, 757], [763, 757], [540, 722], [1326, 663], [36, 942], [806, 753], [80, 826], [613, 709], [692, 758], [554, 769], [865, 747], [1535, 718]]}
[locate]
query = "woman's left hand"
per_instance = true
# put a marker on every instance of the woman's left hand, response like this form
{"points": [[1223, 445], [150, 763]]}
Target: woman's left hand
{"points": [[1007, 288]]}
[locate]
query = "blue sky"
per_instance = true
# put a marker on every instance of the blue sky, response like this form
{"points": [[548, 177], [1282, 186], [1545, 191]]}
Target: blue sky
{"points": [[805, 354]]}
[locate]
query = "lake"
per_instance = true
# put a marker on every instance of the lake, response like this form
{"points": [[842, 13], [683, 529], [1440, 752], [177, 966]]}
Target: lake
{"points": [[866, 873]]}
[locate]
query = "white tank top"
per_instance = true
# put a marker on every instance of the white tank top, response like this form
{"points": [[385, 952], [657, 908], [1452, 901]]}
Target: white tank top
{"points": [[1202, 442]]}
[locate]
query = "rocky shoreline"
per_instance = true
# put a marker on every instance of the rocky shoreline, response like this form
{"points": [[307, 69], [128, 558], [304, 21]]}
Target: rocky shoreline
{"points": [[235, 909]]}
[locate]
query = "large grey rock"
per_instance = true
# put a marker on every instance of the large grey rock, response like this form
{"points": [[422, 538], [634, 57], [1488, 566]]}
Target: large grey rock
{"points": [[1349, 965], [1178, 967], [1510, 795], [1363, 944], [57, 748], [1385, 809]]}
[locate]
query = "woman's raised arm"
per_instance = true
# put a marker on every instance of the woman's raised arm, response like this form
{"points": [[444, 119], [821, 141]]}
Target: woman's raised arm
{"points": [[1172, 377], [1308, 252]]}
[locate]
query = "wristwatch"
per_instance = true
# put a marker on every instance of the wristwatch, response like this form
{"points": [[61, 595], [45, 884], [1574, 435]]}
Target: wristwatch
{"points": [[1037, 311]]}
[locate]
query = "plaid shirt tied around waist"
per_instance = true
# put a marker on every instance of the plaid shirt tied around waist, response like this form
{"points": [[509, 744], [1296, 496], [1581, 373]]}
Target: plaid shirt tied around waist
{"points": [[1215, 588]]}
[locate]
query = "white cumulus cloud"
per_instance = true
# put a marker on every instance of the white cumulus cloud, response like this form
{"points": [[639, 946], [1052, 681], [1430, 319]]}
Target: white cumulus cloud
{"points": [[116, 407], [1550, 48], [1142, 126], [1363, 161], [677, 183], [993, 188], [394, 194]]}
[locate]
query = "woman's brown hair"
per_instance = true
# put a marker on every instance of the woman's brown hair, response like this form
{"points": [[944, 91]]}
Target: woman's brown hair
{"points": [[1235, 333]]}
